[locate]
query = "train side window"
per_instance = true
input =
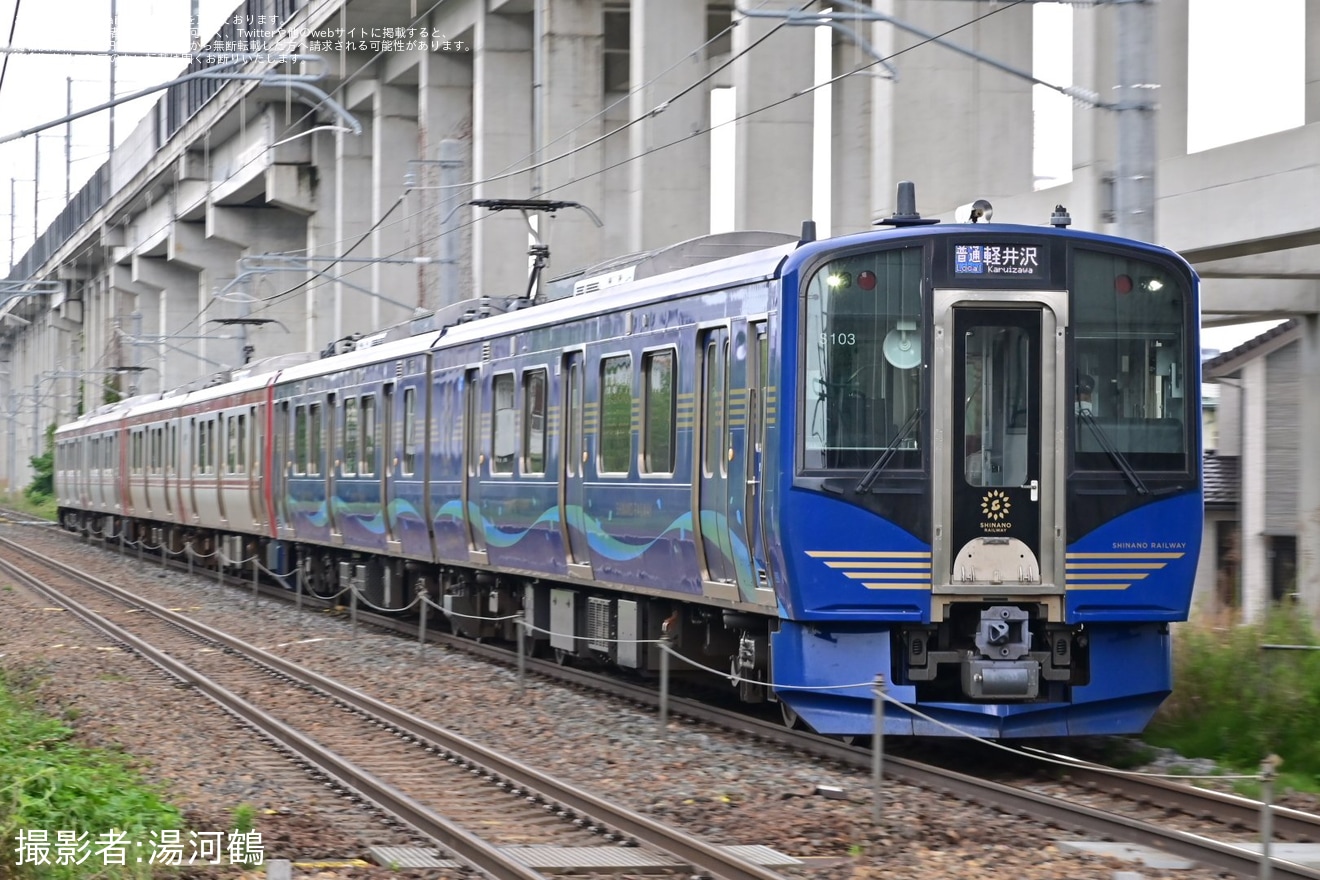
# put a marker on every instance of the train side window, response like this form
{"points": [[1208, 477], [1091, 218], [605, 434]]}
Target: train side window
{"points": [[616, 414], [534, 390], [241, 457], [350, 436], [199, 433], [314, 440], [369, 439], [257, 434], [658, 413], [300, 440], [504, 438], [212, 428], [712, 416], [231, 444], [409, 464], [572, 419]]}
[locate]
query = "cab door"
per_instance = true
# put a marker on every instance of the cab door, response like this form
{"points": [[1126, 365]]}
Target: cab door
{"points": [[1000, 357]]}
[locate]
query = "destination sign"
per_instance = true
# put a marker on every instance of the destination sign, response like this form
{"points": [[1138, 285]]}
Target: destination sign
{"points": [[1019, 260]]}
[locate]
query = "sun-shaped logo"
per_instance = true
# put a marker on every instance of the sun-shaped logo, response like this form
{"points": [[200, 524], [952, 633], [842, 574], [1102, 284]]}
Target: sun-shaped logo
{"points": [[995, 505]]}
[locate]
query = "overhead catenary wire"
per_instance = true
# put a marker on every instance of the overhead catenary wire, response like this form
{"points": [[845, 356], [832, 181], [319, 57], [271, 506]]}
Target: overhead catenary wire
{"points": [[695, 134], [317, 280], [379, 223], [13, 27]]}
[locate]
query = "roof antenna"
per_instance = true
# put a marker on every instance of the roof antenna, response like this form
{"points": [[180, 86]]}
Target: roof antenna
{"points": [[906, 213], [808, 232], [1060, 219]]}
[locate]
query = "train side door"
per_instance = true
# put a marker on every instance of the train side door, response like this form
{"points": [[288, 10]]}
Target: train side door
{"points": [[1001, 358], [711, 522], [572, 515], [473, 460], [389, 462], [252, 444], [282, 466], [758, 369], [323, 454], [193, 470]]}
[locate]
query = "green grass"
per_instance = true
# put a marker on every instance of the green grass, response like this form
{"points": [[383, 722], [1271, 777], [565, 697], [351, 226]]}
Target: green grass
{"points": [[43, 509], [50, 784], [1237, 703]]}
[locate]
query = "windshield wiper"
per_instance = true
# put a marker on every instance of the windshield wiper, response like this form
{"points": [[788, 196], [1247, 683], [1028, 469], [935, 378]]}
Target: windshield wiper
{"points": [[874, 473], [1108, 446]]}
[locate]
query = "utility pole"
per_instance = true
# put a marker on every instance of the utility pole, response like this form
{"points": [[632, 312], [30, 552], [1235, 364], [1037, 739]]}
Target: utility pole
{"points": [[451, 175], [12, 212], [1134, 189], [68, 140], [36, 186], [114, 42]]}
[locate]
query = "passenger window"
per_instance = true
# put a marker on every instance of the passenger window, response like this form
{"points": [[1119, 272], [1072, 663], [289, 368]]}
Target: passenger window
{"points": [[409, 465], [314, 439], [534, 388], [367, 468], [350, 436], [504, 440], [658, 405], [616, 414], [300, 440]]}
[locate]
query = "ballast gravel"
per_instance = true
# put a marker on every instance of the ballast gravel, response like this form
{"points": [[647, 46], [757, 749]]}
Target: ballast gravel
{"points": [[731, 789]]}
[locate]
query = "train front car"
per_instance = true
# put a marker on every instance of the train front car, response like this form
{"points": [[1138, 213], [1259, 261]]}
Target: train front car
{"points": [[991, 492]]}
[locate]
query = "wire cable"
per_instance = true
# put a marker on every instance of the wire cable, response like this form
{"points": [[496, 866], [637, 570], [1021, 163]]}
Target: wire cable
{"points": [[270, 301], [702, 132], [13, 27]]}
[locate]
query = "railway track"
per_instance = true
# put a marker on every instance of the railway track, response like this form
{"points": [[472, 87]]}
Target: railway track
{"points": [[1216, 829], [515, 818]]}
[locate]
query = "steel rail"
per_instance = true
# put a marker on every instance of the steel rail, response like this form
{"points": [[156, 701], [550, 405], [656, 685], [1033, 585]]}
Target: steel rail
{"points": [[701, 856], [1017, 801], [471, 849], [1231, 857], [1289, 824]]}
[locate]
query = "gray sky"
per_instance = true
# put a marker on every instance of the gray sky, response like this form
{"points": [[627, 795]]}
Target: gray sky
{"points": [[35, 90]]}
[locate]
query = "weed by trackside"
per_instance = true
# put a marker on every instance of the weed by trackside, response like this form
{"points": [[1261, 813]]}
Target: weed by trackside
{"points": [[51, 789], [1237, 701]]}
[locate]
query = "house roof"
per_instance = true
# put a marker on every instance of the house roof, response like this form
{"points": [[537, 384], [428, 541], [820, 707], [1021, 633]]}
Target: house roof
{"points": [[1232, 360], [1221, 475]]}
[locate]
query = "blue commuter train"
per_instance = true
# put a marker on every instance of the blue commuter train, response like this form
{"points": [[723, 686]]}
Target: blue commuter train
{"points": [[964, 457]]}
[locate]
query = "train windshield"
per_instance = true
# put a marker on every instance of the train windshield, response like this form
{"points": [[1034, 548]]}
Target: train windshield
{"points": [[862, 352], [1134, 395]]}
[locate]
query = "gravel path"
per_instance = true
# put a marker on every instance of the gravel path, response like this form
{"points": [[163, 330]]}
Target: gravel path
{"points": [[733, 790]]}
